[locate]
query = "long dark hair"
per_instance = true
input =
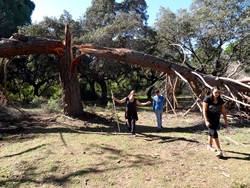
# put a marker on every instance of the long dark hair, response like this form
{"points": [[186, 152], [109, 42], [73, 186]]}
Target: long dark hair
{"points": [[210, 93]]}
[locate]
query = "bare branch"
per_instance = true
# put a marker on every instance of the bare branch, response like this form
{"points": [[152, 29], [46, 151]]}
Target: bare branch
{"points": [[235, 70]]}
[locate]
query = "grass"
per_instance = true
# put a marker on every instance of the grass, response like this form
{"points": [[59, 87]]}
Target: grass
{"points": [[56, 151]]}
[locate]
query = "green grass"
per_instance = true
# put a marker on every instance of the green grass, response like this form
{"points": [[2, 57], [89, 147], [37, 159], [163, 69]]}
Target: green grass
{"points": [[55, 151]]}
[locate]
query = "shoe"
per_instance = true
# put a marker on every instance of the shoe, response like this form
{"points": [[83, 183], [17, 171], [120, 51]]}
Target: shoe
{"points": [[158, 130], [219, 153], [209, 147]]}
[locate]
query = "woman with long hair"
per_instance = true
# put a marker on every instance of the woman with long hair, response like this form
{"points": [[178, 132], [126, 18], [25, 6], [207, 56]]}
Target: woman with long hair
{"points": [[131, 110], [213, 106]]}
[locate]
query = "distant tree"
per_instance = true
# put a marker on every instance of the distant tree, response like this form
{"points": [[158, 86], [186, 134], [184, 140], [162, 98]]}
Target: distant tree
{"points": [[34, 71], [14, 13], [205, 31], [113, 24]]}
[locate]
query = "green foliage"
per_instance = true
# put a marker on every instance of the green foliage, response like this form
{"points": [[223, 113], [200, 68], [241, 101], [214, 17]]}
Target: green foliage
{"points": [[48, 28], [39, 101], [204, 31], [239, 185], [120, 25], [14, 13], [109, 105], [54, 104], [30, 76]]}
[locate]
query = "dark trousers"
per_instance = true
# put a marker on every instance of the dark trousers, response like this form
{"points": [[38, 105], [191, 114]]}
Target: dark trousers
{"points": [[131, 124]]}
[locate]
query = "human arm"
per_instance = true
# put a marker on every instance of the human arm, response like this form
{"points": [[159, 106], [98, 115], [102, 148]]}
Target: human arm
{"points": [[143, 103], [224, 113], [204, 111], [153, 104], [119, 101]]}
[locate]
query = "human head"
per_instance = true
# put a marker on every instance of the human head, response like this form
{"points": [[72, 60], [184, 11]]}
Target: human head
{"points": [[133, 93], [215, 91], [157, 91]]}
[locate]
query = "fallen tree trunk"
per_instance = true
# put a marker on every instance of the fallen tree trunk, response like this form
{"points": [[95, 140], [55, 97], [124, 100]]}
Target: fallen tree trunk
{"points": [[158, 64], [24, 45]]}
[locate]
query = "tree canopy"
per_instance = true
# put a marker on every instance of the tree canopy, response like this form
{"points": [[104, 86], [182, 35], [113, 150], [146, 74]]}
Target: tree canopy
{"points": [[205, 31], [14, 13]]}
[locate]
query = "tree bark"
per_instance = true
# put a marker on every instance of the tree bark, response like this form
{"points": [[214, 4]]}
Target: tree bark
{"points": [[69, 81], [25, 45], [104, 89], [144, 60]]}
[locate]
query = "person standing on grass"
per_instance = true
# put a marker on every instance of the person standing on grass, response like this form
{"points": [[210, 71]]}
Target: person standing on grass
{"points": [[131, 110], [158, 105], [213, 106]]}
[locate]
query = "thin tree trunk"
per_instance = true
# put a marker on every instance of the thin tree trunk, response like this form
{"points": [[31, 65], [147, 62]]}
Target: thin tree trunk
{"points": [[103, 86]]}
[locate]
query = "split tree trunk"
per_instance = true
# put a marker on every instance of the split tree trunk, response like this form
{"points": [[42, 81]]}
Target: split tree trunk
{"points": [[25, 45], [69, 81]]}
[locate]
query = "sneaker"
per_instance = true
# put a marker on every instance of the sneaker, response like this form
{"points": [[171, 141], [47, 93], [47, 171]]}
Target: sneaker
{"points": [[158, 130], [209, 147], [219, 153]]}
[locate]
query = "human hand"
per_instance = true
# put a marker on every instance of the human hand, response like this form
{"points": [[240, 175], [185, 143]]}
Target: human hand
{"points": [[228, 129], [207, 124], [149, 102]]}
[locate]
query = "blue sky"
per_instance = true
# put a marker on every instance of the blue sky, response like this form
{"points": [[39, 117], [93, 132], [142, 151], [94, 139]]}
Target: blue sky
{"points": [[54, 8]]}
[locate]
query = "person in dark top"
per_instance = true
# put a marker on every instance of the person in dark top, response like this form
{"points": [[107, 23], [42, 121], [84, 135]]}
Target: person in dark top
{"points": [[213, 106], [131, 110]]}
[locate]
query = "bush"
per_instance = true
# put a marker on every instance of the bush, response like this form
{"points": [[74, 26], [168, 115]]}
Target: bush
{"points": [[39, 101], [54, 104]]}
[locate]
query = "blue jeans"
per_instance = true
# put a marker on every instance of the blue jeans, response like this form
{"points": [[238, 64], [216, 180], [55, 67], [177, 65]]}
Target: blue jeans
{"points": [[158, 114]]}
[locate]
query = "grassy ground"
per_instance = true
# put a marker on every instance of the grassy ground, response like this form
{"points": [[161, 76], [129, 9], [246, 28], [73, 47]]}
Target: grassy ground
{"points": [[51, 150]]}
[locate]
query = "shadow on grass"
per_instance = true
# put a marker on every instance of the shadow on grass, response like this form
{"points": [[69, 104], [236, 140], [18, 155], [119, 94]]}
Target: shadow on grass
{"points": [[245, 156], [26, 151], [90, 123], [55, 176], [165, 139]]}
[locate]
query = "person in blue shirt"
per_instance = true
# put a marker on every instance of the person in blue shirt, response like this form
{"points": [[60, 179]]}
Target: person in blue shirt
{"points": [[158, 105]]}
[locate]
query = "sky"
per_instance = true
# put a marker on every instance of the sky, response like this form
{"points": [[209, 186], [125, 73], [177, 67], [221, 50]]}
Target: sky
{"points": [[54, 8]]}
